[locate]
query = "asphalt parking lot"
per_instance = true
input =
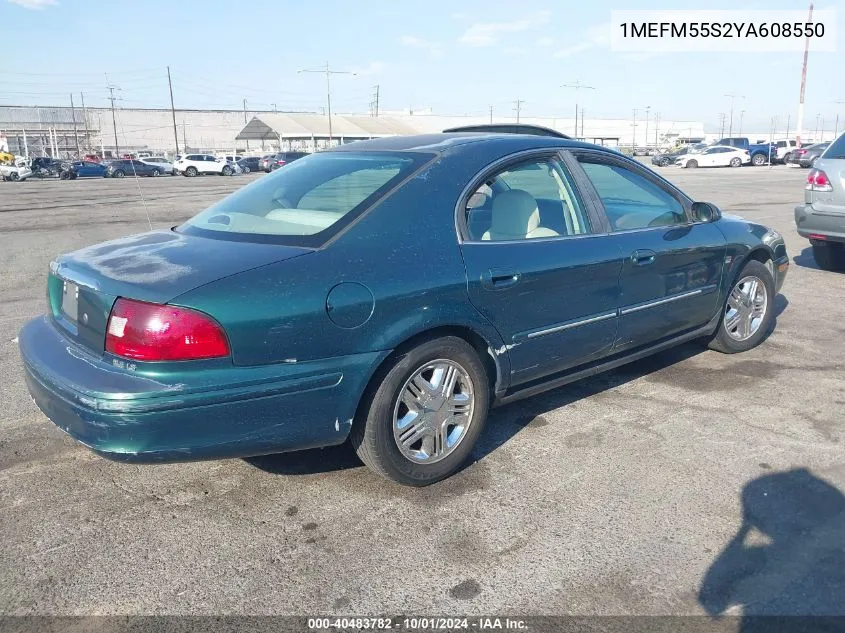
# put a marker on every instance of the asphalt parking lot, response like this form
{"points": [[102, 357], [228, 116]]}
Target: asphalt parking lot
{"points": [[615, 495]]}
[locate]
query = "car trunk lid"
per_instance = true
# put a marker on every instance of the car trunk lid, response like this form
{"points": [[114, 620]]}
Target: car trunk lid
{"points": [[156, 267]]}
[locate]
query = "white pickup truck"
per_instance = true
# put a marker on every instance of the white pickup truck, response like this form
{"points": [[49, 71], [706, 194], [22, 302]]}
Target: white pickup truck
{"points": [[19, 171]]}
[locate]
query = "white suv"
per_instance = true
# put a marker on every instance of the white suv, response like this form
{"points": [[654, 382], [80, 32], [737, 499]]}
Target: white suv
{"points": [[195, 164], [785, 147]]}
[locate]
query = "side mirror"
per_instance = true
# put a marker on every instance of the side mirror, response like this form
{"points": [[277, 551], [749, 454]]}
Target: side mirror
{"points": [[705, 212]]}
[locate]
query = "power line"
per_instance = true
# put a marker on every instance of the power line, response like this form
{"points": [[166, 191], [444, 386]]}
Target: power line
{"points": [[329, 72]]}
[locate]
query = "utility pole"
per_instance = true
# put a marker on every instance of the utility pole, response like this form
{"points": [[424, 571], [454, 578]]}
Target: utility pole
{"points": [[800, 123], [816, 136], [577, 86], [836, 127], [518, 107], [173, 111], [634, 132], [247, 143], [582, 122], [656, 127], [113, 119], [741, 115], [647, 110], [75, 135], [85, 120], [722, 117], [374, 104], [731, 122], [274, 107], [491, 115], [788, 121], [184, 137], [329, 72]]}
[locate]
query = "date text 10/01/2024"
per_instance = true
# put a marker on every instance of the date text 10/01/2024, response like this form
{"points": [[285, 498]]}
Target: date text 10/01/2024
{"points": [[446, 624]]}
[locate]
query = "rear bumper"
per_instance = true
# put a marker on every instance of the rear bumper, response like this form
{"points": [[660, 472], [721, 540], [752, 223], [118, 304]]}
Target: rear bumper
{"points": [[209, 413], [811, 223]]}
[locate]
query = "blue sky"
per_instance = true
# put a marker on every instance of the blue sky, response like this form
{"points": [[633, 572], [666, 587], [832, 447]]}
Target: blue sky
{"points": [[457, 57]]}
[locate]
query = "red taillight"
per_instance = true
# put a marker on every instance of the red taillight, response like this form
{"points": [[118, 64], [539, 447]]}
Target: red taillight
{"points": [[280, 162], [800, 152], [817, 180], [153, 332]]}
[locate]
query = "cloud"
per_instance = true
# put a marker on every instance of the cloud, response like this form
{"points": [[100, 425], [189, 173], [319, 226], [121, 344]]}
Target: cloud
{"points": [[489, 33], [35, 5], [373, 68], [435, 49], [458, 16], [598, 35], [545, 42]]}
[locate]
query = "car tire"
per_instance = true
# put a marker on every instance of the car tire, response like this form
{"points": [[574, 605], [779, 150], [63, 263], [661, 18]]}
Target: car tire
{"points": [[376, 432], [118, 174], [65, 175], [829, 257], [787, 157], [14, 177], [156, 173], [227, 171], [758, 160], [246, 170], [745, 323], [736, 162], [692, 164], [190, 172]]}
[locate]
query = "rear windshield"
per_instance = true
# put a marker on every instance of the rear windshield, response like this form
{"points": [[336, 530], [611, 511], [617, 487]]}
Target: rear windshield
{"points": [[306, 201], [836, 149]]}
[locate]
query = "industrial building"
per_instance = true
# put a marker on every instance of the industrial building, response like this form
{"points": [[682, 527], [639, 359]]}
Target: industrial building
{"points": [[67, 132]]}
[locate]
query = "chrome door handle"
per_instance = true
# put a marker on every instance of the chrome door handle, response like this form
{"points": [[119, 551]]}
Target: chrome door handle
{"points": [[643, 257]]}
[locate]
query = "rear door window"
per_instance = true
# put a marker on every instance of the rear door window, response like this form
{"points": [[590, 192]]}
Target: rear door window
{"points": [[836, 149]]}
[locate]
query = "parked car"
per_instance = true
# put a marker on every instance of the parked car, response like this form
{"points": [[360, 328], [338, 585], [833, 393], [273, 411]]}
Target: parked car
{"points": [[759, 153], [46, 167], [671, 157], [195, 164], [784, 149], [84, 169], [715, 156], [92, 158], [283, 158], [250, 163], [807, 156], [132, 167], [161, 162], [821, 218], [264, 162], [17, 172], [295, 313]]}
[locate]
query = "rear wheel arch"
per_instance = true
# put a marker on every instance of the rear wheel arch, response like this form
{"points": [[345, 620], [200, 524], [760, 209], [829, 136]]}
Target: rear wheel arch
{"points": [[485, 351]]}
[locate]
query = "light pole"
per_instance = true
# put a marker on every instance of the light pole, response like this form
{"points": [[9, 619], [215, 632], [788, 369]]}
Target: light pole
{"points": [[647, 109], [329, 72], [741, 115], [816, 137], [731, 123], [836, 127], [577, 86]]}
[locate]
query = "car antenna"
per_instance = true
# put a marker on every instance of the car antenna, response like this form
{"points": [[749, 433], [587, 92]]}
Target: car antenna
{"points": [[137, 179]]}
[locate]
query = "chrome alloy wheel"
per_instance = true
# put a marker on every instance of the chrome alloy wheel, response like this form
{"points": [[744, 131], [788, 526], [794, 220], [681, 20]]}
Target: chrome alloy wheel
{"points": [[746, 308], [433, 411]]}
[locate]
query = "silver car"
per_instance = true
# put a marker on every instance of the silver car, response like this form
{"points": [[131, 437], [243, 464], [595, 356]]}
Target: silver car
{"points": [[159, 161], [821, 218]]}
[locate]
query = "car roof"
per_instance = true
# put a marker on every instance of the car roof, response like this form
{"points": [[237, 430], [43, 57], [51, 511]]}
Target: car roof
{"points": [[452, 142]]}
